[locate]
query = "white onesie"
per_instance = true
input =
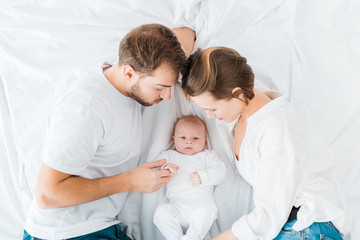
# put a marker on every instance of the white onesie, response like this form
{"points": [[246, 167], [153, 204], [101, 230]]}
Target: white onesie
{"points": [[189, 206]]}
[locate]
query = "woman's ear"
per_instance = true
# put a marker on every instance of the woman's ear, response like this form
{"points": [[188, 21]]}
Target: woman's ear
{"points": [[237, 93]]}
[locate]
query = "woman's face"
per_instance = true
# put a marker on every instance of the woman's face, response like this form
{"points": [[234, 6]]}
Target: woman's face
{"points": [[227, 110]]}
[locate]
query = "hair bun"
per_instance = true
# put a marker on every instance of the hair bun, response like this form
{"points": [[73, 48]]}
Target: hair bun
{"points": [[243, 60]]}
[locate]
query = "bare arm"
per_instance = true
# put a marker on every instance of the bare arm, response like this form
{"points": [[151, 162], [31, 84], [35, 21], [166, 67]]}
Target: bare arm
{"points": [[186, 37], [227, 235], [57, 189]]}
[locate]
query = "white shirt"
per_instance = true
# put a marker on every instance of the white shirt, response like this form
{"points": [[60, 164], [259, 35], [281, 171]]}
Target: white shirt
{"points": [[94, 132], [209, 166], [287, 165]]}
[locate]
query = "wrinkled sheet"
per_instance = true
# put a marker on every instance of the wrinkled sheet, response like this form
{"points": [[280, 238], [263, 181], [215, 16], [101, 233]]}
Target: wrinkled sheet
{"points": [[307, 50]]}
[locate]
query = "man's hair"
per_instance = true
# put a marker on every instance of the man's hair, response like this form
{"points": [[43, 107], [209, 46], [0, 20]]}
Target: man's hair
{"points": [[146, 47], [219, 70], [190, 118]]}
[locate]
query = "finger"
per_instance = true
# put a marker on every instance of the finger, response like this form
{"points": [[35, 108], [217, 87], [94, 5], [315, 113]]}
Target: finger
{"points": [[162, 185], [164, 173], [156, 164], [158, 187], [165, 179]]}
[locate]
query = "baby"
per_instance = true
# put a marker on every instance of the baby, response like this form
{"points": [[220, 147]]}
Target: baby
{"points": [[191, 204]]}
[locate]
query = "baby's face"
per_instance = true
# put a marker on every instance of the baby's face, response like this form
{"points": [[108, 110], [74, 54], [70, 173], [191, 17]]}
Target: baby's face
{"points": [[189, 137]]}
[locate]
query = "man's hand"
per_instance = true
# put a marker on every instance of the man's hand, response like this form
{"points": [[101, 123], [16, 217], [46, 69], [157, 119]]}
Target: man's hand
{"points": [[146, 179], [172, 167], [58, 189], [195, 178]]}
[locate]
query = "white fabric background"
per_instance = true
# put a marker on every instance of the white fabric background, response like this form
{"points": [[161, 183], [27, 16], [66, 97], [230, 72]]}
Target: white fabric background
{"points": [[308, 50]]}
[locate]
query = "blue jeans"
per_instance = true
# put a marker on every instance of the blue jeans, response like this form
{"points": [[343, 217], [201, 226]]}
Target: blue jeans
{"points": [[111, 233], [316, 231]]}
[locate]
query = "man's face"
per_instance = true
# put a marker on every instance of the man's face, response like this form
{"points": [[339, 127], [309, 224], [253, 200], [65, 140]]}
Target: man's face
{"points": [[152, 88]]}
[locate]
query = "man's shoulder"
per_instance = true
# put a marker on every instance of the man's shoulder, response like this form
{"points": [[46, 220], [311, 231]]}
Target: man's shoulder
{"points": [[76, 101]]}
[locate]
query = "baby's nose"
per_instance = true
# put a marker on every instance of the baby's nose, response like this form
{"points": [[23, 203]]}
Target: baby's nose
{"points": [[188, 141]]}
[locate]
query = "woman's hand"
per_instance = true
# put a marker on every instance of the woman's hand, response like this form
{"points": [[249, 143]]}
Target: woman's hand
{"points": [[186, 37]]}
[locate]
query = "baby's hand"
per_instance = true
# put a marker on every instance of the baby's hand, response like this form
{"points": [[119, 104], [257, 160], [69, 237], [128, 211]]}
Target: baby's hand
{"points": [[195, 178], [173, 168]]}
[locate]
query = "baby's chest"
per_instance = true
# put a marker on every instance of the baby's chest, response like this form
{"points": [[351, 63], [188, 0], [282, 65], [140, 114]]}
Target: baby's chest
{"points": [[188, 165]]}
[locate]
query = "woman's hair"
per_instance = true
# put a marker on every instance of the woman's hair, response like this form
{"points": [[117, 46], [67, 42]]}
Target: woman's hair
{"points": [[146, 47], [219, 70]]}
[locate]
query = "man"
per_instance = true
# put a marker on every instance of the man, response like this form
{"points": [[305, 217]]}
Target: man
{"points": [[92, 144]]}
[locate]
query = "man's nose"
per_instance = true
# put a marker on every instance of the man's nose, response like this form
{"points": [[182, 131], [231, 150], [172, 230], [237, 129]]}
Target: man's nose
{"points": [[166, 93]]}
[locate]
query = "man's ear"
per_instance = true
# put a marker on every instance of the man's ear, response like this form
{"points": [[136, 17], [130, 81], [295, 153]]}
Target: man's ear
{"points": [[128, 72], [237, 93]]}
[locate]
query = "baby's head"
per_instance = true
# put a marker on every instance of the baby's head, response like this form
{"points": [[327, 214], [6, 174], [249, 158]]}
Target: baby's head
{"points": [[189, 135]]}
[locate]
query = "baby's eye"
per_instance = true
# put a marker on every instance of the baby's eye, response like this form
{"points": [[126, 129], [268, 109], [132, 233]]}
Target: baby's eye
{"points": [[182, 137], [196, 138]]}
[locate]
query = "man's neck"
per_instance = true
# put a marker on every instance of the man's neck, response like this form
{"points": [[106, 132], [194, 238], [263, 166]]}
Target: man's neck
{"points": [[114, 76]]}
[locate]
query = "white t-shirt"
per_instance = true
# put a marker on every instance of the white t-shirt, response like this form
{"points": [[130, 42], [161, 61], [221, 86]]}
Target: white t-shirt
{"points": [[209, 166], [287, 165], [94, 132]]}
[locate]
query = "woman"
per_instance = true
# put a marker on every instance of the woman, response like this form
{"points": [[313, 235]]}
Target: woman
{"points": [[291, 171]]}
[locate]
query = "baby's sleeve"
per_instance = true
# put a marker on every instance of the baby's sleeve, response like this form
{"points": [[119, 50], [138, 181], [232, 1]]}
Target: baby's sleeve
{"points": [[215, 171]]}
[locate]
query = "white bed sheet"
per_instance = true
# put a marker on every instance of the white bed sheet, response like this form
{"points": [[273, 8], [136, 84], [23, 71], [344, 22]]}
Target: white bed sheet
{"points": [[307, 50]]}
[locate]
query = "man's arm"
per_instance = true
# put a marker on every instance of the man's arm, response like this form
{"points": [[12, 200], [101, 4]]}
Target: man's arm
{"points": [[57, 189], [186, 37]]}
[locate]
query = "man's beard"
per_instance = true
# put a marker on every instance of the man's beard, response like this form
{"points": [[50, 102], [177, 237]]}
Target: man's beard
{"points": [[136, 94]]}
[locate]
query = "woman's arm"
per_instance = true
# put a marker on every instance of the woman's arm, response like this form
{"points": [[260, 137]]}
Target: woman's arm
{"points": [[186, 37], [227, 235]]}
